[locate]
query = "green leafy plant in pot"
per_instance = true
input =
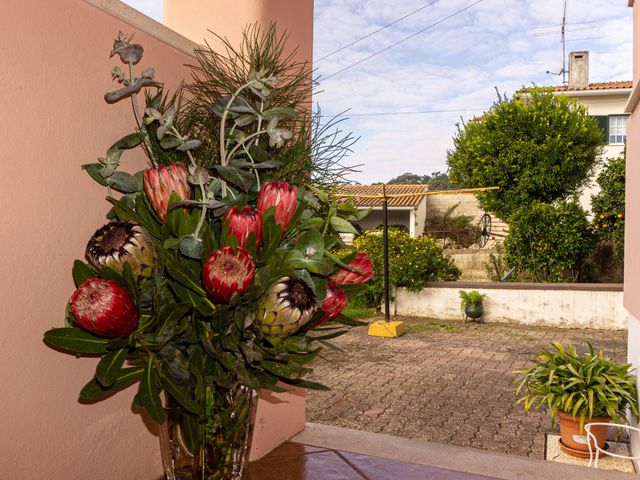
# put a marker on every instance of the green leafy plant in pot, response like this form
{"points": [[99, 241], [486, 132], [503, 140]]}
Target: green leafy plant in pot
{"points": [[471, 304], [214, 276], [579, 389]]}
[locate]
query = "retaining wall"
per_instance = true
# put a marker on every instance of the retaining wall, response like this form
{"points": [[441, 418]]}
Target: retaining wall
{"points": [[558, 305]]}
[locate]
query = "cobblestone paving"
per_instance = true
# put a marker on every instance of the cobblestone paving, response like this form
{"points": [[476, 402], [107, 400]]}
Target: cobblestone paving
{"points": [[448, 382]]}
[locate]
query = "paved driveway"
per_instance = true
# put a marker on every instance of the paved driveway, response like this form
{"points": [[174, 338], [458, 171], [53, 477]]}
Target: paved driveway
{"points": [[448, 382]]}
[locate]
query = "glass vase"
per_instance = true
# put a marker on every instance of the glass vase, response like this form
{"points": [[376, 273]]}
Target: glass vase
{"points": [[213, 445]]}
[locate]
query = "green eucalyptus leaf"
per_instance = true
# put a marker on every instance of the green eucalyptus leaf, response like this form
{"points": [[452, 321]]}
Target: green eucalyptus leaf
{"points": [[94, 391], [125, 183], [150, 394], [75, 340], [184, 276], [109, 367], [179, 393], [81, 271], [93, 169], [342, 226], [129, 141], [191, 247], [169, 143], [235, 176]]}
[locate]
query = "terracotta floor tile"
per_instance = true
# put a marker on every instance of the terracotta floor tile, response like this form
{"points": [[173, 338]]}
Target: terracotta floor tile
{"points": [[312, 466]]}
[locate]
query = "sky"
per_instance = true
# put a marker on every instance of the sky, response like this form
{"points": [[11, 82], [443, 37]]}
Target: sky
{"points": [[455, 65]]}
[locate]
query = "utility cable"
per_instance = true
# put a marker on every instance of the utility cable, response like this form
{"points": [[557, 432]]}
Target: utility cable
{"points": [[403, 40], [376, 31], [419, 112]]}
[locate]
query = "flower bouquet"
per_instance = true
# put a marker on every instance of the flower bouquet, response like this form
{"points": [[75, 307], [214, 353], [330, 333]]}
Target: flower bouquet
{"points": [[214, 276]]}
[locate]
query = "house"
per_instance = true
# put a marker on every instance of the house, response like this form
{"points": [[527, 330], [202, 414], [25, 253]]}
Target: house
{"points": [[606, 102], [408, 210]]}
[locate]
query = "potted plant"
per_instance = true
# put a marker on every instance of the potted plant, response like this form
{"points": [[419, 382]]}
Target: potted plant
{"points": [[471, 304], [579, 389], [213, 276]]}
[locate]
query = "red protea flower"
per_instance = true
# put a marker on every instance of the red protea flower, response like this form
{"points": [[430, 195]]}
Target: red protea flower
{"points": [[104, 307], [282, 196], [161, 181], [228, 273], [349, 277], [242, 224], [334, 303]]}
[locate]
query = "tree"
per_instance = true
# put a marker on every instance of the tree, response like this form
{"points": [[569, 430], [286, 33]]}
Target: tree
{"points": [[608, 205], [535, 146], [436, 181]]}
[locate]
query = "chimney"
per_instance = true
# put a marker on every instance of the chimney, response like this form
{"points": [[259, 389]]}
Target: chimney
{"points": [[578, 69]]}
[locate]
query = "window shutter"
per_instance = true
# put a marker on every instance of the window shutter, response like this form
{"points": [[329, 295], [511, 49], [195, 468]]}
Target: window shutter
{"points": [[603, 123]]}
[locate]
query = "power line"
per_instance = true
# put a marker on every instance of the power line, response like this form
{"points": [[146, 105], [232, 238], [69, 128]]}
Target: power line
{"points": [[403, 40], [378, 30], [418, 112]]}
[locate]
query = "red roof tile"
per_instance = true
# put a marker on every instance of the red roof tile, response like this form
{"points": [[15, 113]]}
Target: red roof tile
{"points": [[594, 86], [398, 189]]}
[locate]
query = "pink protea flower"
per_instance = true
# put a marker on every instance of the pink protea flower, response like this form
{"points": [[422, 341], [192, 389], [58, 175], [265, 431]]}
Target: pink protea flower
{"points": [[334, 303], [227, 273], [161, 181], [242, 224], [350, 277], [282, 196], [104, 307]]}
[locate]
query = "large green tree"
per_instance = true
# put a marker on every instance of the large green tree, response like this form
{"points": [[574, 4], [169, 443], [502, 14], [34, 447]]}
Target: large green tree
{"points": [[436, 181], [536, 146]]}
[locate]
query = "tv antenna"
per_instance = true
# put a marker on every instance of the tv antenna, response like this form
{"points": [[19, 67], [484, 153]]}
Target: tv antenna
{"points": [[563, 69]]}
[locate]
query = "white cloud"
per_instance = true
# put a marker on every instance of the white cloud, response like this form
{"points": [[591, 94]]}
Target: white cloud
{"points": [[455, 65]]}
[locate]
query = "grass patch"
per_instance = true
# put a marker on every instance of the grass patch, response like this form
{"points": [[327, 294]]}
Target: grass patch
{"points": [[360, 313], [434, 326]]}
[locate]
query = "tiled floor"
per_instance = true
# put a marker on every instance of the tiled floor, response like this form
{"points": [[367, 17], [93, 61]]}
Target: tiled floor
{"points": [[444, 381], [294, 461]]}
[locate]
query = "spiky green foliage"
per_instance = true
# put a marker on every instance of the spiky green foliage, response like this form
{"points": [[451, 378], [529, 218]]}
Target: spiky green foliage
{"points": [[585, 386]]}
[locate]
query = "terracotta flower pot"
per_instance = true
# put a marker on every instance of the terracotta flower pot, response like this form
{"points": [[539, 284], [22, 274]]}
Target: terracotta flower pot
{"points": [[574, 440]]}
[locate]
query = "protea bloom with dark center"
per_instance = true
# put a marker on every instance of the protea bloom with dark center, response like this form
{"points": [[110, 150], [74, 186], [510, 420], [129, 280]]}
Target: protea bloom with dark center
{"points": [[334, 303], [161, 181], [282, 196], [289, 304], [349, 277], [228, 273], [242, 224], [104, 307], [118, 243]]}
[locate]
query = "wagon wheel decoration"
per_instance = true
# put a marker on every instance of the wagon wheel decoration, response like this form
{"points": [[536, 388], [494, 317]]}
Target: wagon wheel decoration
{"points": [[483, 230]]}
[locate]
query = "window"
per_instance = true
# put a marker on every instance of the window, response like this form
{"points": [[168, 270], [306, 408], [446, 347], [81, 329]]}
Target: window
{"points": [[617, 128]]}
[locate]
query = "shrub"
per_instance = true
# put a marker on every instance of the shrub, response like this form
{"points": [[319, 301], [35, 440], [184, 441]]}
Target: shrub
{"points": [[548, 243], [454, 227], [412, 262], [608, 206]]}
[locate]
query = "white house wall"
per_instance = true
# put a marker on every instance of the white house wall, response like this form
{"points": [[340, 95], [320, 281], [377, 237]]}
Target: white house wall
{"points": [[602, 105]]}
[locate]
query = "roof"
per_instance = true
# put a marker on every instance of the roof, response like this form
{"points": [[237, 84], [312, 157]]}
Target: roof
{"points": [[396, 189], [594, 86]]}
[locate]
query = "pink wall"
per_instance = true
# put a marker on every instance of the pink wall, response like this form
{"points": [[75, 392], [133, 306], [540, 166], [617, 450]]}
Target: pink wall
{"points": [[55, 70], [632, 210], [193, 19]]}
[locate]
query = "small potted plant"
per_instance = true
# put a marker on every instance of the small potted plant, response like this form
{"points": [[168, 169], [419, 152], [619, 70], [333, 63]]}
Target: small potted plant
{"points": [[471, 304], [579, 389]]}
